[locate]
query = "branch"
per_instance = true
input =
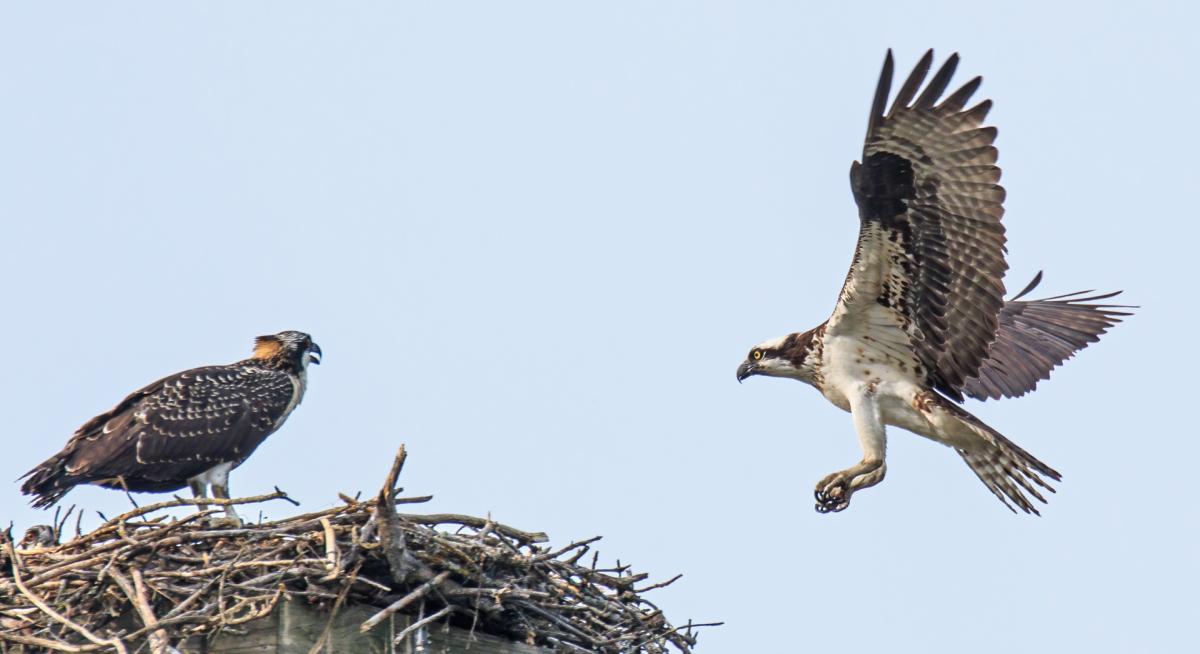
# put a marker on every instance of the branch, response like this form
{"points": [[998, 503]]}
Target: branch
{"points": [[476, 523], [399, 604], [421, 623], [136, 592], [48, 644], [391, 536]]}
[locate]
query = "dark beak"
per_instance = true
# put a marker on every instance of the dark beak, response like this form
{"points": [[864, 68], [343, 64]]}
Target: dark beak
{"points": [[745, 370], [314, 354]]}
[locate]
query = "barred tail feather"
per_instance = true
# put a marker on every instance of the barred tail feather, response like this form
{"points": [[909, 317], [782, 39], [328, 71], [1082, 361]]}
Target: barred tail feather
{"points": [[1012, 474], [1007, 473]]}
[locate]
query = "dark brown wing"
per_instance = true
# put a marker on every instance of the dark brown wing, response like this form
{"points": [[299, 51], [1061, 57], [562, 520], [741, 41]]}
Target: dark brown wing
{"points": [[49, 481], [169, 431], [210, 417], [1036, 336], [930, 255]]}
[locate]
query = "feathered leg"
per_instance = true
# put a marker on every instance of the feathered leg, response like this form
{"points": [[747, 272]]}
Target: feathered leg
{"points": [[198, 491], [834, 491], [221, 492], [220, 488]]}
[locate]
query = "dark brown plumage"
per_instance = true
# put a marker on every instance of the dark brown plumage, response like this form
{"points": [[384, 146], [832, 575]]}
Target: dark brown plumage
{"points": [[190, 428]]}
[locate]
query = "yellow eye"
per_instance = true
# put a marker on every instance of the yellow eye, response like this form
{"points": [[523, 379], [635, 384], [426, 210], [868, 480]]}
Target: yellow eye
{"points": [[756, 355]]}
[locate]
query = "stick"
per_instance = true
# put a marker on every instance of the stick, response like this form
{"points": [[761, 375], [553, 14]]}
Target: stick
{"points": [[389, 486], [48, 644], [391, 536], [563, 550], [661, 584], [332, 555], [136, 592], [421, 623], [477, 523], [196, 501], [399, 604]]}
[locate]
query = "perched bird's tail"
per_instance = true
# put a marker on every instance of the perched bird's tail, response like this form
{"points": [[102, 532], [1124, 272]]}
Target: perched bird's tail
{"points": [[48, 482]]}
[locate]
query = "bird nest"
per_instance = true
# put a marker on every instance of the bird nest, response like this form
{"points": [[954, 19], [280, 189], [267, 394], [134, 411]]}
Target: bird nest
{"points": [[150, 580]]}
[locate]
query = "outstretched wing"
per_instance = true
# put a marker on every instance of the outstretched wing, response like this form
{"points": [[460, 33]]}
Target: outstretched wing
{"points": [[927, 272], [1036, 336]]}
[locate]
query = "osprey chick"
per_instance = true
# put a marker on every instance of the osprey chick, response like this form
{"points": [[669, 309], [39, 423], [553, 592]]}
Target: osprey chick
{"points": [[189, 429], [922, 316]]}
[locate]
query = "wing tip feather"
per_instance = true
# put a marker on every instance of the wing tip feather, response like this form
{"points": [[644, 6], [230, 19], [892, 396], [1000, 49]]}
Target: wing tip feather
{"points": [[909, 89]]}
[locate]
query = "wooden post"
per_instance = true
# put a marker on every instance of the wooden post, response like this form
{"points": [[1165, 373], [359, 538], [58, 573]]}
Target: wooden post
{"points": [[294, 628]]}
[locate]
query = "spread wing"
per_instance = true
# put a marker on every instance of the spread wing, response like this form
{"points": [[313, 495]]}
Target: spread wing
{"points": [[1035, 336], [173, 429], [928, 269]]}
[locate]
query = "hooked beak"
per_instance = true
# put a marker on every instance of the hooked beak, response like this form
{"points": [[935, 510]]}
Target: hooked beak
{"points": [[314, 354], [745, 370]]}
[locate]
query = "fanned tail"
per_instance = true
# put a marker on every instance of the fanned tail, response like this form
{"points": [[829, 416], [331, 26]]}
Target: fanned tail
{"points": [[1013, 475]]}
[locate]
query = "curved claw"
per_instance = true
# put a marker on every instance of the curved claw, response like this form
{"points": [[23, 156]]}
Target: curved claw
{"points": [[832, 497], [833, 506]]}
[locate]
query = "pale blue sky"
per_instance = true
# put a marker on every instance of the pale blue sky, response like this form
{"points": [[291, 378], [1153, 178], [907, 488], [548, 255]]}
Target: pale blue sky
{"points": [[535, 239]]}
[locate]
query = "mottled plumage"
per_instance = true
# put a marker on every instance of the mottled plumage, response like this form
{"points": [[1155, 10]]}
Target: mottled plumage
{"points": [[921, 321], [190, 428]]}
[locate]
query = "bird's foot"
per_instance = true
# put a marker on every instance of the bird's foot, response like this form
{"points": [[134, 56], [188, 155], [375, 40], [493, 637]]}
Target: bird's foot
{"points": [[832, 493]]}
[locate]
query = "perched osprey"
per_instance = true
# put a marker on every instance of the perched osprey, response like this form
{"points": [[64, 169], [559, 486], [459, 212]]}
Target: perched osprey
{"points": [[921, 320], [190, 429]]}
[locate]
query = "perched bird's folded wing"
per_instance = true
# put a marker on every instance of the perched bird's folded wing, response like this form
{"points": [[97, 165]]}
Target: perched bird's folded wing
{"points": [[1035, 336], [209, 417], [928, 269]]}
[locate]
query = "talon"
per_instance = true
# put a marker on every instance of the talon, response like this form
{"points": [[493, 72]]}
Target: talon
{"points": [[832, 495]]}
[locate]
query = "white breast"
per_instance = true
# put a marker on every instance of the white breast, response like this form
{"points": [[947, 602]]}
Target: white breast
{"points": [[850, 362], [299, 384]]}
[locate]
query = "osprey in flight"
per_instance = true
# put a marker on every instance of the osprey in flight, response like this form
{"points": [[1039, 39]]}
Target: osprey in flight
{"points": [[921, 320], [190, 429]]}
